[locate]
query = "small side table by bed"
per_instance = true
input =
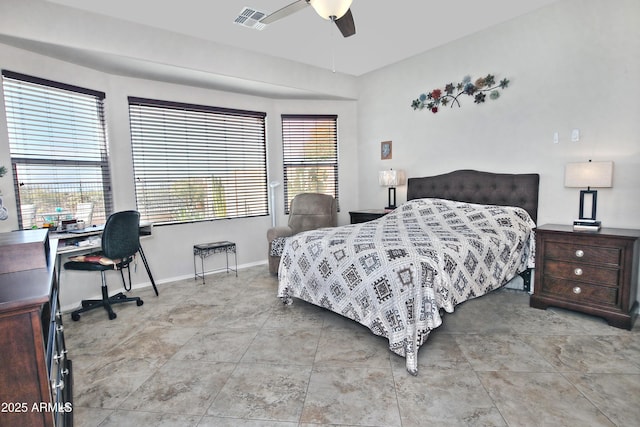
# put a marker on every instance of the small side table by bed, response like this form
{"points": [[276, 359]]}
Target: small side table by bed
{"points": [[592, 272], [204, 250], [365, 215]]}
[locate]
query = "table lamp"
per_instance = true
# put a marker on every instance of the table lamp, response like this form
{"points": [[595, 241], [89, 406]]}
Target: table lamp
{"points": [[391, 178], [588, 174]]}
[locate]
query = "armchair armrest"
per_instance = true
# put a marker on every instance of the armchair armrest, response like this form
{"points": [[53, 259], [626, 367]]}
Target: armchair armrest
{"points": [[283, 231]]}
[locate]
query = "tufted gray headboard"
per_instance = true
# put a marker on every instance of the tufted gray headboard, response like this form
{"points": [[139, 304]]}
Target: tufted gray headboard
{"points": [[486, 188]]}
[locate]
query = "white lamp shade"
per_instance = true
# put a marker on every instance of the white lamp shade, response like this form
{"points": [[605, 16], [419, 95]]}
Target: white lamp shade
{"points": [[391, 178], [331, 8], [588, 174]]}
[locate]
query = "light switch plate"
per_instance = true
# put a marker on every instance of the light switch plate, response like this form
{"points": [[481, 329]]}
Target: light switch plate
{"points": [[575, 135]]}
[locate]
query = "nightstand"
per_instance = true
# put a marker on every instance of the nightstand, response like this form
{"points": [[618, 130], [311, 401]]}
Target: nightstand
{"points": [[592, 272], [365, 215]]}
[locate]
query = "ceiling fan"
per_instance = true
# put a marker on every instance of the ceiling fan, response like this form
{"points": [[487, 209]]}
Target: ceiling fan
{"points": [[334, 10]]}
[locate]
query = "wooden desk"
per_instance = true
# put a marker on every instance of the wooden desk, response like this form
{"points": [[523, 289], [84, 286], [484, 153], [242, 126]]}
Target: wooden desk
{"points": [[78, 241], [72, 243]]}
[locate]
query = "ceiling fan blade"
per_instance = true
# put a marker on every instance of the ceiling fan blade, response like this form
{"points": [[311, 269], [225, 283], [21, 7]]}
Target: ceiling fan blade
{"points": [[285, 11], [346, 25]]}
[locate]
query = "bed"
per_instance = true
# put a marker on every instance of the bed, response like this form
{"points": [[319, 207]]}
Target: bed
{"points": [[459, 236]]}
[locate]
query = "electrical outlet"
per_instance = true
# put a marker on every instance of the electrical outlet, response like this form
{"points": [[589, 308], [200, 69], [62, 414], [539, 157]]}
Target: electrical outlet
{"points": [[556, 138]]}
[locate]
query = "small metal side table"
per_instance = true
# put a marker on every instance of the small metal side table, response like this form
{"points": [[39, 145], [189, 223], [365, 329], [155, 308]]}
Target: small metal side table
{"points": [[204, 250]]}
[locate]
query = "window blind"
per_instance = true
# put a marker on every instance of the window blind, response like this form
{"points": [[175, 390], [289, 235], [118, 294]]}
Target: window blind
{"points": [[195, 163], [310, 155], [58, 148]]}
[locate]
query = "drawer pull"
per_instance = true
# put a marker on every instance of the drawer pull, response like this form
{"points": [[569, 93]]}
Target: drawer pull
{"points": [[577, 272], [577, 290], [579, 253], [60, 356], [55, 386]]}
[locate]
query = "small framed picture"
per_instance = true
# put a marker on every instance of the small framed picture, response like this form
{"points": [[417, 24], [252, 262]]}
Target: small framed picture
{"points": [[385, 150]]}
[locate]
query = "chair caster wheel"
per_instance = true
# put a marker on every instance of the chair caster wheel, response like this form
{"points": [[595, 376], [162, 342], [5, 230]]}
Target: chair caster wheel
{"points": [[112, 315], [139, 302], [75, 317]]}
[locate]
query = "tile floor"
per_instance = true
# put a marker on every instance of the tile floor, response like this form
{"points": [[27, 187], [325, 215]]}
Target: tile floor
{"points": [[228, 353]]}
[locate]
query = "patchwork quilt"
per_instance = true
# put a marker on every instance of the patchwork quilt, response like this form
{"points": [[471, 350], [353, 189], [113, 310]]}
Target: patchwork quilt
{"points": [[397, 274]]}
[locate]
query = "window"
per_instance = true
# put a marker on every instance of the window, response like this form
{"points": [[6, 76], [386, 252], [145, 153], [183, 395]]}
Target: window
{"points": [[195, 163], [58, 149], [310, 150]]}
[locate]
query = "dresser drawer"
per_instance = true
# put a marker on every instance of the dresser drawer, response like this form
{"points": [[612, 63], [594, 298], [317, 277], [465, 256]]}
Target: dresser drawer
{"points": [[583, 253], [579, 292], [582, 272]]}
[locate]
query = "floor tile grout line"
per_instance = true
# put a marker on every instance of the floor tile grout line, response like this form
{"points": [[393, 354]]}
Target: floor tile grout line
{"points": [[311, 371]]}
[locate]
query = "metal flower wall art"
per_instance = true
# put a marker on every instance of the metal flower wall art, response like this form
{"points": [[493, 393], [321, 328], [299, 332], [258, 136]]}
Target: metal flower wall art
{"points": [[452, 92]]}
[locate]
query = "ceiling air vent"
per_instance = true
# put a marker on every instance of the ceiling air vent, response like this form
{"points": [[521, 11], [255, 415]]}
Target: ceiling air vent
{"points": [[249, 17]]}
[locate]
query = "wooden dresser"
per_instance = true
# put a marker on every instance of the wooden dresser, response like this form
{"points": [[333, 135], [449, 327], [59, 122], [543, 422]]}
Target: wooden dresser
{"points": [[35, 374], [592, 272]]}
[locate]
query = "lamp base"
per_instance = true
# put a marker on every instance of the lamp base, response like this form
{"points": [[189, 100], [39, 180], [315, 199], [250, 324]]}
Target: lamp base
{"points": [[392, 199], [585, 195], [586, 225]]}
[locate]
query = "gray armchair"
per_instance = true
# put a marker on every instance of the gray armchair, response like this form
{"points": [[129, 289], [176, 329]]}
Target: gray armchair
{"points": [[308, 211]]}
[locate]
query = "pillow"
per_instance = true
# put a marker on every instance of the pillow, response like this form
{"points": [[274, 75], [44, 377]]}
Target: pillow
{"points": [[95, 259], [277, 246]]}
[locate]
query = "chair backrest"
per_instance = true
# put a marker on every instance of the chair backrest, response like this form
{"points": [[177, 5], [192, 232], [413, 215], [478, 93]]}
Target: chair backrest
{"points": [[121, 235], [84, 212], [312, 210]]}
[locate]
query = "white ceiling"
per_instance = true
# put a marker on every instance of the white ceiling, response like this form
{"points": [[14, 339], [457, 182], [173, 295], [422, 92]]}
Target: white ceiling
{"points": [[386, 32]]}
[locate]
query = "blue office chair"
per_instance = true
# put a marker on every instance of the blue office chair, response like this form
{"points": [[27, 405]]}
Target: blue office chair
{"points": [[120, 242]]}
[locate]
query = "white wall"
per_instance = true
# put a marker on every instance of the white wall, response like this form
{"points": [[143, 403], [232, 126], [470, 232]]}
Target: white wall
{"points": [[574, 64], [169, 249]]}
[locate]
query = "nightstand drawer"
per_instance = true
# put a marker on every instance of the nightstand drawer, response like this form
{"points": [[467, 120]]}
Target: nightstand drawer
{"points": [[581, 272], [583, 253], [580, 292]]}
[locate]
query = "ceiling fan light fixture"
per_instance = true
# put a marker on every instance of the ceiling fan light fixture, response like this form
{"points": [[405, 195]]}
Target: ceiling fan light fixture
{"points": [[331, 9]]}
